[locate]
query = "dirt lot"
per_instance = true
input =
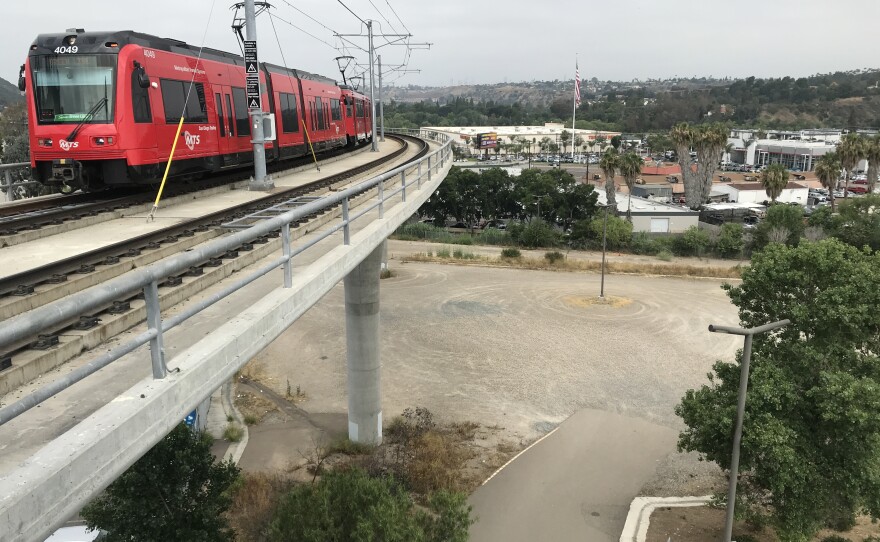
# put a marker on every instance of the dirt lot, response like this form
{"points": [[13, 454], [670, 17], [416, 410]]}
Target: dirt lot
{"points": [[699, 524], [521, 351]]}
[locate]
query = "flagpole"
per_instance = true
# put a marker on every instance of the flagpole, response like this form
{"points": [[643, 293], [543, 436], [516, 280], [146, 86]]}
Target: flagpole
{"points": [[574, 105]]}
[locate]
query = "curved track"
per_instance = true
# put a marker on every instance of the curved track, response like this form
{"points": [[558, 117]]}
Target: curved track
{"points": [[35, 287]]}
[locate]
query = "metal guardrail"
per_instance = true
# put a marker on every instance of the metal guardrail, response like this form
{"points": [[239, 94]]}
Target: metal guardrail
{"points": [[147, 278], [9, 172]]}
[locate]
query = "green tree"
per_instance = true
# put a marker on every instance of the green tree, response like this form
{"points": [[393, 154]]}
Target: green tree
{"points": [[828, 172], [730, 240], [872, 153], [565, 139], [783, 224], [609, 164], [176, 491], [851, 150], [693, 242], [774, 179], [349, 505], [616, 142], [859, 222], [630, 165], [811, 438], [618, 233]]}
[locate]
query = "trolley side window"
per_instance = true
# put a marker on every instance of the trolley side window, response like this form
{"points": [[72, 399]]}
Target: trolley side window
{"points": [[220, 120], [242, 123], [348, 107], [319, 107], [140, 101], [335, 110], [194, 110], [289, 116], [360, 108]]}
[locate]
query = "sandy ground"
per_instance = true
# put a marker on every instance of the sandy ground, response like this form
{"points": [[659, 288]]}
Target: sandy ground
{"points": [[520, 349]]}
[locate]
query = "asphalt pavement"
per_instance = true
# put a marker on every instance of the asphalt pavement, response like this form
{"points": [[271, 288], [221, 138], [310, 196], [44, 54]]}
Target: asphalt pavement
{"points": [[576, 484]]}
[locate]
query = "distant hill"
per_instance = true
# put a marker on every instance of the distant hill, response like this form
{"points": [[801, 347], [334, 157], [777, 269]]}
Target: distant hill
{"points": [[9, 93], [848, 99]]}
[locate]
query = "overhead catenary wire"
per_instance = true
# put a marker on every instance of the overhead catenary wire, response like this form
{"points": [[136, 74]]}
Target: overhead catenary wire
{"points": [[383, 16], [328, 44], [195, 71], [352, 12], [398, 17]]}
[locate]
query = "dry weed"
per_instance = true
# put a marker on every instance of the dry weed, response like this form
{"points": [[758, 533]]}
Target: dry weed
{"points": [[253, 504]]}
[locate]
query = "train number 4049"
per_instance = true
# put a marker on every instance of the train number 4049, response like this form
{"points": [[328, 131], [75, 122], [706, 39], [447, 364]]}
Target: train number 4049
{"points": [[67, 50]]}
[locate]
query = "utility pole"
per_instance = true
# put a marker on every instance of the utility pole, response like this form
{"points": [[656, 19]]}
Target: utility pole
{"points": [[371, 54], [374, 147], [254, 100], [381, 104]]}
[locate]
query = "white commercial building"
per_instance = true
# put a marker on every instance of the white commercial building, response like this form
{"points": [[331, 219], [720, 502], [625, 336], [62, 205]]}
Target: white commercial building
{"points": [[653, 216], [526, 134], [756, 193]]}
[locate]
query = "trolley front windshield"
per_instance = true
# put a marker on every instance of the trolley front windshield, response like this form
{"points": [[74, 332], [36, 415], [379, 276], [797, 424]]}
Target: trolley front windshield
{"points": [[70, 89]]}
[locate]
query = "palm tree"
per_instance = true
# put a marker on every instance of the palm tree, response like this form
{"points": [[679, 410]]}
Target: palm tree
{"points": [[774, 179], [851, 150], [872, 153], [828, 172], [682, 136], [609, 164], [630, 165]]}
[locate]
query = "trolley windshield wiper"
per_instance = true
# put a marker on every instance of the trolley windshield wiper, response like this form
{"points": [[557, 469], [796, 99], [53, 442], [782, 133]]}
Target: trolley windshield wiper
{"points": [[88, 116]]}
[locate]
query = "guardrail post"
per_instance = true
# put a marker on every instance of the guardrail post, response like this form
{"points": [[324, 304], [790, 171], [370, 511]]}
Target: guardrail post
{"points": [[403, 185], [429, 168], [382, 199], [288, 264], [346, 234], [154, 323], [420, 169]]}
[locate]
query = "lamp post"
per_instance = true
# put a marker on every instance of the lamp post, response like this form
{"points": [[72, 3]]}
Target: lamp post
{"points": [[740, 409], [604, 231]]}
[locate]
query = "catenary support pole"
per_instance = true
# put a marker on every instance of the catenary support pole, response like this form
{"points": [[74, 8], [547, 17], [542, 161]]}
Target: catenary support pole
{"points": [[259, 182], [381, 105], [362, 342], [375, 145]]}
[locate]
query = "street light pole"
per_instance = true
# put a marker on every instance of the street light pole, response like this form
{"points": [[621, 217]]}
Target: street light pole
{"points": [[604, 231], [740, 410]]}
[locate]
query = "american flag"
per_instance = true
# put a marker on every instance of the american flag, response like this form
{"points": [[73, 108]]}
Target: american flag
{"points": [[577, 85]]}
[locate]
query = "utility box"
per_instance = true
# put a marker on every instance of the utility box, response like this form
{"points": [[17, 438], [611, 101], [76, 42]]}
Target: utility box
{"points": [[269, 133]]}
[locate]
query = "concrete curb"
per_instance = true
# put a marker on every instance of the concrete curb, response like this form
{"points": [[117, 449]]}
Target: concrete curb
{"points": [[639, 517], [236, 449]]}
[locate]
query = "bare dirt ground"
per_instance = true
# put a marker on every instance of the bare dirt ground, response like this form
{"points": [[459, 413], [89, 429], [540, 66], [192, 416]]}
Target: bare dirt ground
{"points": [[519, 351], [699, 524]]}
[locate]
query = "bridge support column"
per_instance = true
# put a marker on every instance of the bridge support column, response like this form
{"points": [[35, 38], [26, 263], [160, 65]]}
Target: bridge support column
{"points": [[362, 341]]}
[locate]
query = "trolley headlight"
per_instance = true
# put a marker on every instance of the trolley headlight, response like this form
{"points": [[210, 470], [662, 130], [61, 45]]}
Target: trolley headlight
{"points": [[101, 141], [46, 142]]}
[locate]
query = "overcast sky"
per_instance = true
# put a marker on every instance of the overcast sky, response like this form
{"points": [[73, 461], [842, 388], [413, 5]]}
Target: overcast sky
{"points": [[503, 40]]}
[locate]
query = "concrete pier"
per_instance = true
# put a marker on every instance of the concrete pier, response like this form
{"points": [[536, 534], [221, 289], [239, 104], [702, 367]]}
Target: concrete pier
{"points": [[362, 342]]}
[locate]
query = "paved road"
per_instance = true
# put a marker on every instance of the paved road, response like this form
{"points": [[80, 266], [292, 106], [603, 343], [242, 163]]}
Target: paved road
{"points": [[576, 484]]}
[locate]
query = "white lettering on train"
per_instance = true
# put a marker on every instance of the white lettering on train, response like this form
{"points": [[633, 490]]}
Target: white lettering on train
{"points": [[67, 145], [191, 140]]}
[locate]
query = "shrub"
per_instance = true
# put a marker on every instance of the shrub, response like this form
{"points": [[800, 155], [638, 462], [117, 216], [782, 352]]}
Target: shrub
{"points": [[462, 240], [730, 241], [510, 253], [387, 273], [642, 243], [349, 505], [233, 433], [254, 498], [348, 447], [834, 538], [443, 253], [553, 257], [664, 255], [693, 242], [493, 236], [784, 223], [250, 419], [534, 234], [618, 233]]}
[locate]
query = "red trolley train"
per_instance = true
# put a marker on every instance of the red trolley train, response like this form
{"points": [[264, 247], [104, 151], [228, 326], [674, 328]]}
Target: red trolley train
{"points": [[103, 109]]}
